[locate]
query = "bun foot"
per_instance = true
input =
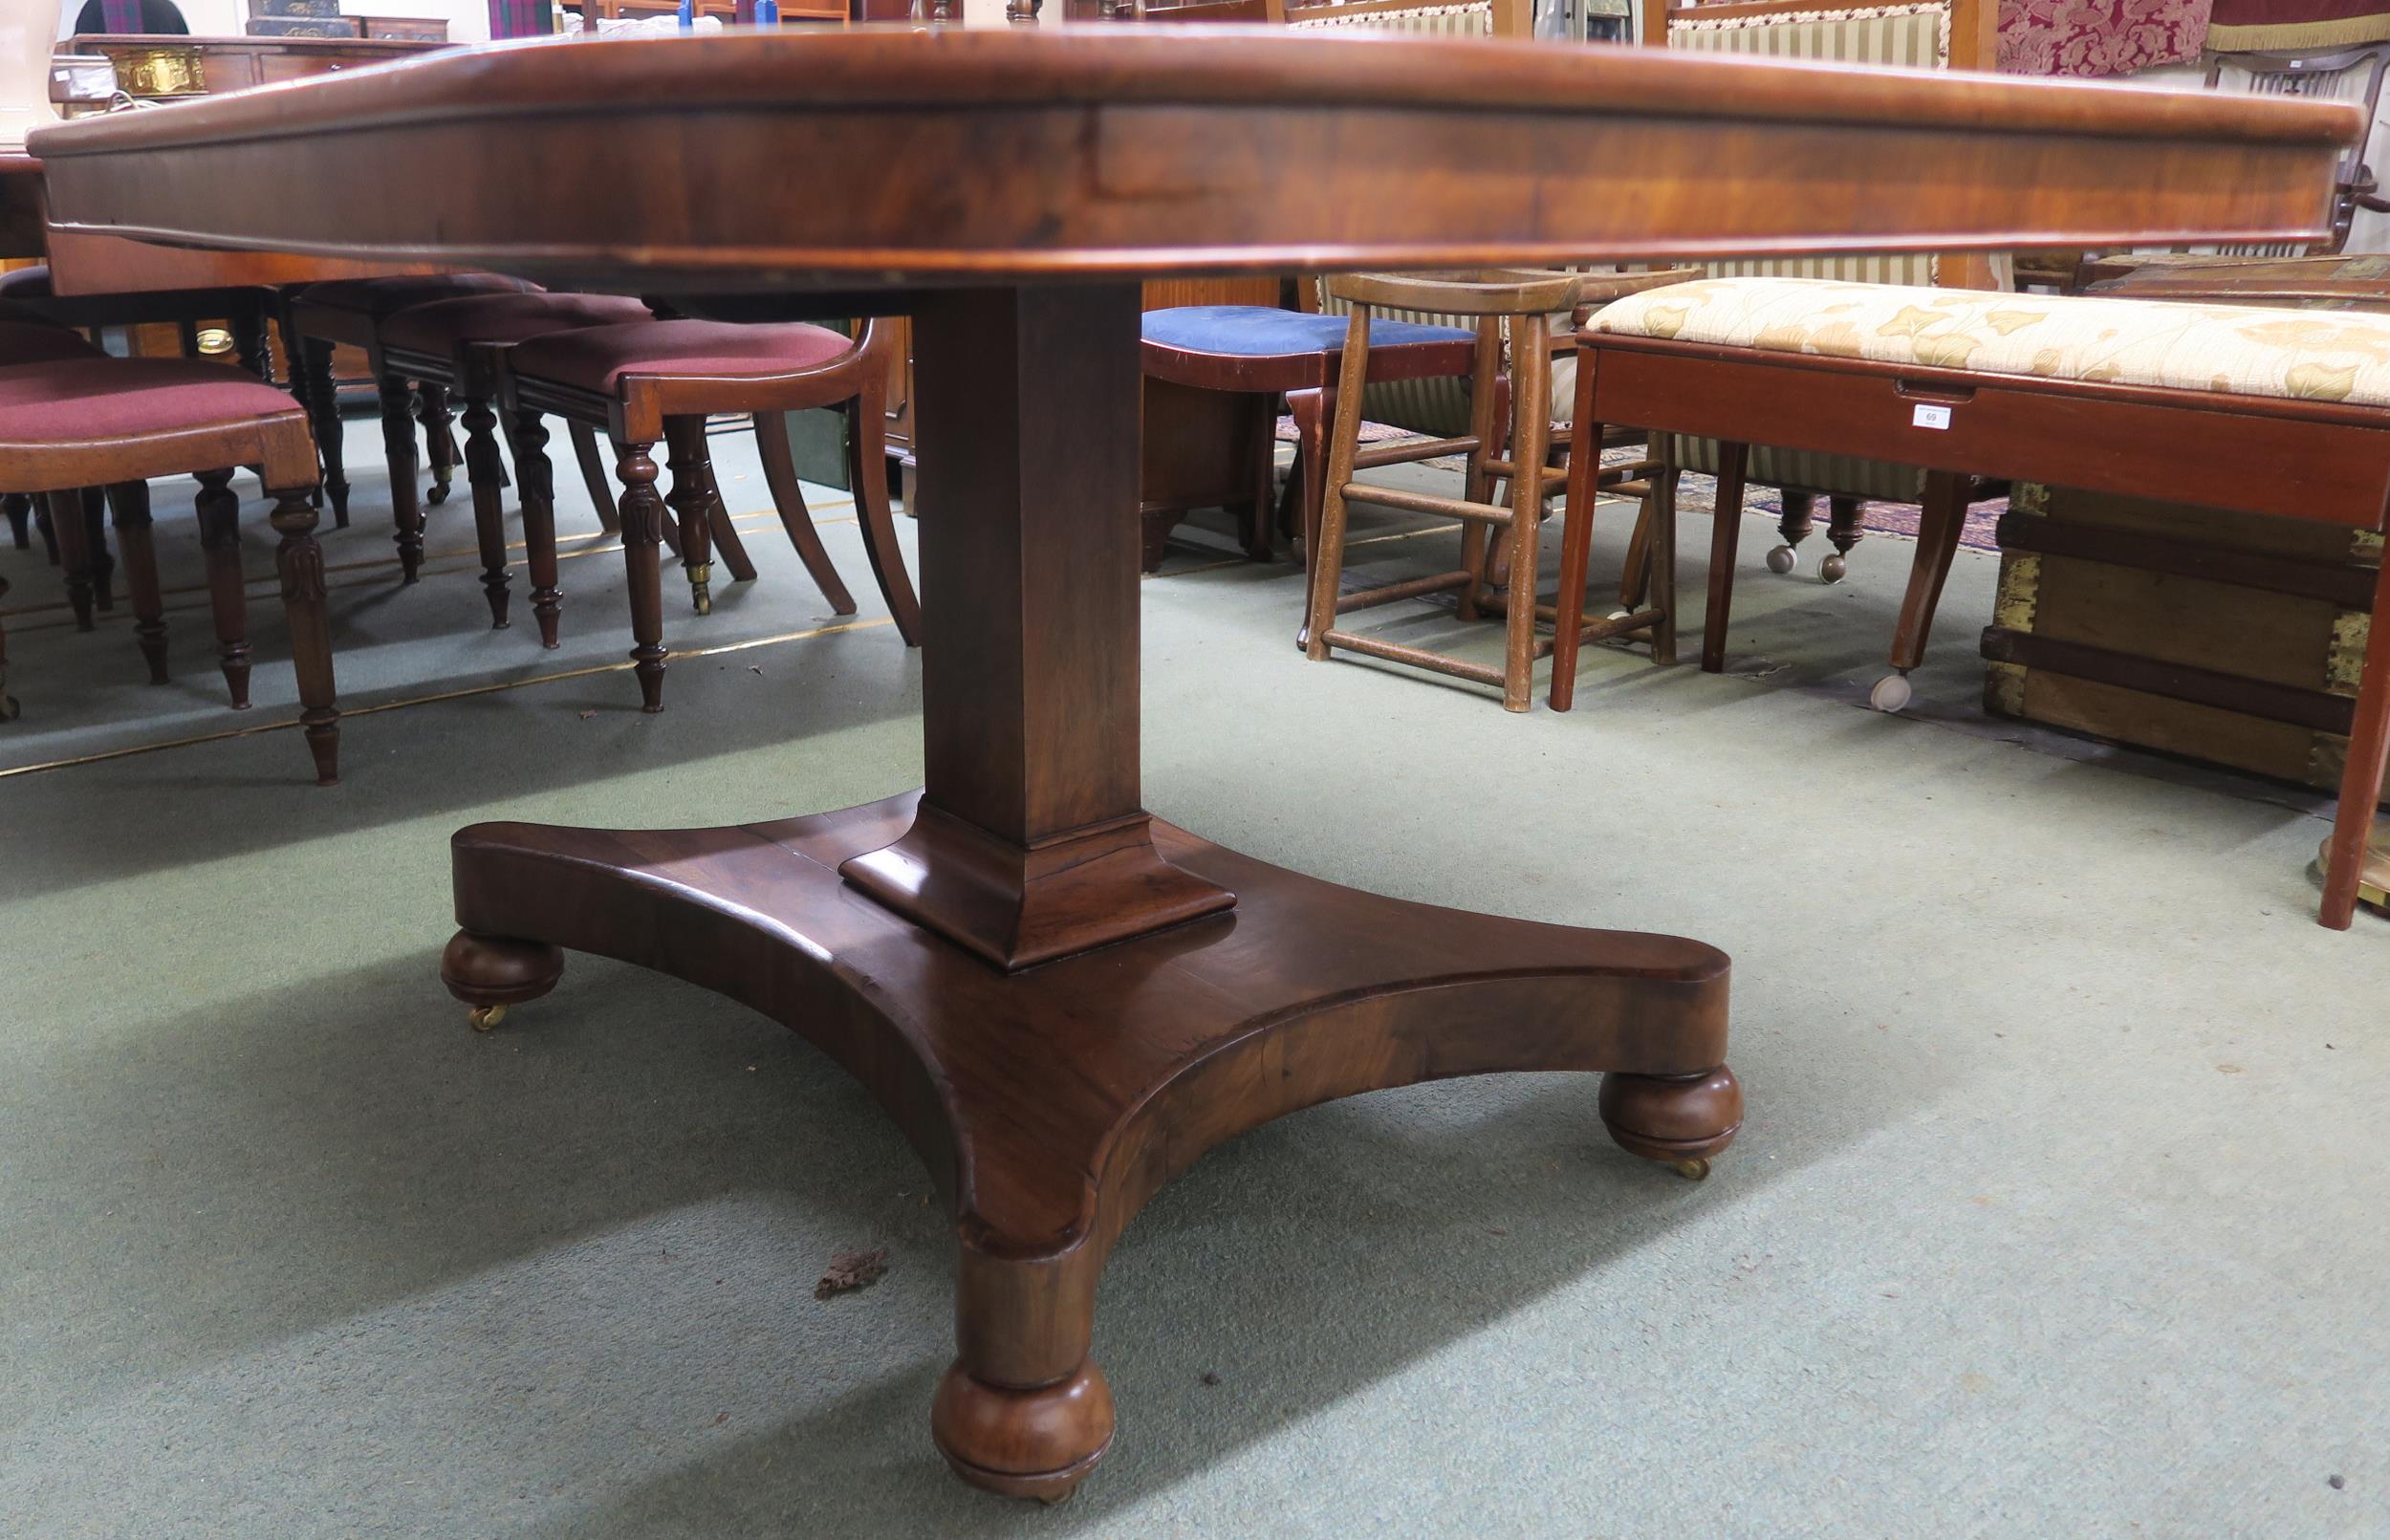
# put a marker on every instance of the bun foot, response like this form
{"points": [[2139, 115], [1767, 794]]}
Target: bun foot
{"points": [[1037, 1444], [1681, 1119], [492, 972]]}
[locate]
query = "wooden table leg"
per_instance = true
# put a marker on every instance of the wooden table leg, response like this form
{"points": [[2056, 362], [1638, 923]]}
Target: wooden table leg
{"points": [[1062, 1000], [2360, 777], [1726, 533]]}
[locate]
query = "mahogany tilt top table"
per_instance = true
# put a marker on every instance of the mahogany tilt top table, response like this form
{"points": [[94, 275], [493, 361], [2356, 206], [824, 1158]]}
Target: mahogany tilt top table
{"points": [[1063, 1000]]}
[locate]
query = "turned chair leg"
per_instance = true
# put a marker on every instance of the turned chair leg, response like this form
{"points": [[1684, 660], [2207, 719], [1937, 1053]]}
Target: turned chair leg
{"points": [[299, 561], [485, 479], [1800, 520], [867, 470], [788, 499], [642, 528], [537, 490], [66, 518], [94, 502], [1725, 535], [593, 475], [1843, 529], [431, 403], [1327, 565], [1477, 483], [1938, 527], [688, 502], [18, 509], [129, 502], [313, 361], [228, 597], [398, 447]]}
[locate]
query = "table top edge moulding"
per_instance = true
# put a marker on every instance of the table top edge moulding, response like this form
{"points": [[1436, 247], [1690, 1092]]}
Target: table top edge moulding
{"points": [[1149, 152], [1062, 1000]]}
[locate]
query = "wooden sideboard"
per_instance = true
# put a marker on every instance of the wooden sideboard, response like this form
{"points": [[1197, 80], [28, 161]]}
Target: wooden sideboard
{"points": [[161, 67]]}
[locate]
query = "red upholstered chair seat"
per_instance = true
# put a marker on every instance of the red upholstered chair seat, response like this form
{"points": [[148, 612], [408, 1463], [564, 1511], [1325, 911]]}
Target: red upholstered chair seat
{"points": [[598, 358], [382, 296], [76, 401], [39, 342], [444, 324]]}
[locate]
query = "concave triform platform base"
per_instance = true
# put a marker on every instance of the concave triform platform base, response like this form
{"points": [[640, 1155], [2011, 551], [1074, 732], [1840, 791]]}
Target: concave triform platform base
{"points": [[1049, 1104]]}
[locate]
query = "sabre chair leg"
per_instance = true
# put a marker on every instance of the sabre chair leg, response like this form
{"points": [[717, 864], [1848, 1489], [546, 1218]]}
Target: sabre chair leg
{"points": [[1726, 533], [2360, 777], [867, 468], [18, 509], [1485, 411], [1942, 521], [1577, 535], [313, 361], [300, 562], [787, 500], [593, 475], [718, 514]]}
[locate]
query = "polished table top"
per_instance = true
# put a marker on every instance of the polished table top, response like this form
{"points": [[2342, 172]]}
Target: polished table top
{"points": [[1062, 1000], [888, 157]]}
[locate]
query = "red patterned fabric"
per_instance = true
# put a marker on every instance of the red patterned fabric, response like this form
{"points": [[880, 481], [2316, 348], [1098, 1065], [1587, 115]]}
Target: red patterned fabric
{"points": [[78, 400], [597, 357], [2094, 38]]}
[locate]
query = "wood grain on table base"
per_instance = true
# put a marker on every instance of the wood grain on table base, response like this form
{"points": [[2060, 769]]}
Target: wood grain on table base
{"points": [[1304, 992]]}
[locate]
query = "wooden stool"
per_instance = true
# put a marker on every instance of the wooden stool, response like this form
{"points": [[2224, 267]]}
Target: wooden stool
{"points": [[116, 422], [351, 311], [458, 346], [659, 380], [1519, 304]]}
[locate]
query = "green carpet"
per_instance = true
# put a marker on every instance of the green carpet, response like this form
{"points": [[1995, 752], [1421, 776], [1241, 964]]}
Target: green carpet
{"points": [[2057, 1212]]}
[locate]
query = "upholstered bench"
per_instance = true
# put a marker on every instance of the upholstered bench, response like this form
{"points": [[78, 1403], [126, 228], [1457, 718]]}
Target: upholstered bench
{"points": [[2266, 411]]}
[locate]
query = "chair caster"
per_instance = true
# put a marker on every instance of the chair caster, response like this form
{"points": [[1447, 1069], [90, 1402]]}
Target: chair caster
{"points": [[1891, 693], [486, 1018], [1833, 569], [1693, 1170], [1783, 559]]}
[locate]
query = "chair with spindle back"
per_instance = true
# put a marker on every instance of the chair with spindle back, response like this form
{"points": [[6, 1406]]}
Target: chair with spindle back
{"points": [[1921, 34], [2353, 75]]}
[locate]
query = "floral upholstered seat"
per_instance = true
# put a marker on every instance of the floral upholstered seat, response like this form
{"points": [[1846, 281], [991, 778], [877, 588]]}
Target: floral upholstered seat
{"points": [[2233, 349]]}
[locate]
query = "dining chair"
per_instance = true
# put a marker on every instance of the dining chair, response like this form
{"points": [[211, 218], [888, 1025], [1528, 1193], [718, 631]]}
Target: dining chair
{"points": [[651, 381], [75, 422]]}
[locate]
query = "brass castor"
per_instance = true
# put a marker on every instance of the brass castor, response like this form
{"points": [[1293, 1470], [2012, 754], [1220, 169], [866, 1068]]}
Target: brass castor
{"points": [[701, 580], [1037, 1444], [489, 973], [1783, 559], [1680, 1120], [1833, 569]]}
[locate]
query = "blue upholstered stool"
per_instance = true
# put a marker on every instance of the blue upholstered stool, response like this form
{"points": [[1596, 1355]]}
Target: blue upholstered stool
{"points": [[1260, 352]]}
